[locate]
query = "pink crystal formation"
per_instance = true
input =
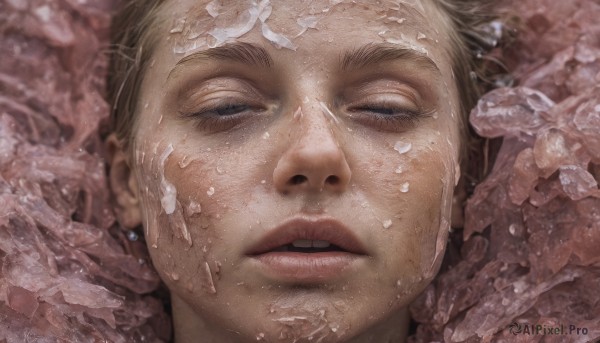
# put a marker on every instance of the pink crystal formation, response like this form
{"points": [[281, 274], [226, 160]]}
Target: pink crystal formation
{"points": [[68, 271], [530, 248]]}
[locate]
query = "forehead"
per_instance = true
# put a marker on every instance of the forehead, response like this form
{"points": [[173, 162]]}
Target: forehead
{"points": [[191, 25]]}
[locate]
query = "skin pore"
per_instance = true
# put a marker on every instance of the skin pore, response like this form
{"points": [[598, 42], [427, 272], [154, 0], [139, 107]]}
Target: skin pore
{"points": [[352, 118]]}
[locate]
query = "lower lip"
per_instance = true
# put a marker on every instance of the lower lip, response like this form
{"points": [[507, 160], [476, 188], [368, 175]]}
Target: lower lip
{"points": [[306, 267]]}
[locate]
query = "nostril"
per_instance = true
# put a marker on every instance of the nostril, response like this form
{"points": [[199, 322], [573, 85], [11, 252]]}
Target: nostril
{"points": [[298, 179], [332, 180]]}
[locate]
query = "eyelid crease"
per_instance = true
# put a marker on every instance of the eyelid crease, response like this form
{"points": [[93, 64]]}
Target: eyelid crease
{"points": [[385, 86], [390, 99], [218, 84]]}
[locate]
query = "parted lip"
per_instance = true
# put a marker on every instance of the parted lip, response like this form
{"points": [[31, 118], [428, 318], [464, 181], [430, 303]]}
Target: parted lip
{"points": [[310, 228]]}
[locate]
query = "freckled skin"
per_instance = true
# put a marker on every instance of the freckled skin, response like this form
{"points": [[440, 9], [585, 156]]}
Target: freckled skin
{"points": [[367, 304]]}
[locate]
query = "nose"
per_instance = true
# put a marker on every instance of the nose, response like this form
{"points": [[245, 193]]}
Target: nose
{"points": [[314, 161]]}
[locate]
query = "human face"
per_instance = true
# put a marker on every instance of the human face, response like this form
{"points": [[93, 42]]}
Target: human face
{"points": [[346, 133]]}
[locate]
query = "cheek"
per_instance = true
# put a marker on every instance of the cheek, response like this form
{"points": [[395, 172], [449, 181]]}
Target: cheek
{"points": [[433, 191], [178, 210], [186, 200], [414, 185]]}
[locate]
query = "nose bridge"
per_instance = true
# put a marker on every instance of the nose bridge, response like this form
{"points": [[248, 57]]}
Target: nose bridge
{"points": [[315, 123], [314, 159]]}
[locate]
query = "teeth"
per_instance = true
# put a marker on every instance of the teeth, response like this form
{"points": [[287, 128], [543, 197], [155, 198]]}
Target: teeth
{"points": [[302, 243], [320, 244], [307, 243]]}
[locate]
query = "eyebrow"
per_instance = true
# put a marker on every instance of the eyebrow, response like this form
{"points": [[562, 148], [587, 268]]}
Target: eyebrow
{"points": [[244, 53], [362, 57], [375, 53]]}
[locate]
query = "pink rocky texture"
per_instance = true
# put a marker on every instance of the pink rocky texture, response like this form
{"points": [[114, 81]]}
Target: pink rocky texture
{"points": [[68, 271], [530, 250], [531, 243]]}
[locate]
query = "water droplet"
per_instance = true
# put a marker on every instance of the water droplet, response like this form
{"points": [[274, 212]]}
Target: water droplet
{"points": [[298, 114], [404, 187], [193, 209], [402, 147], [260, 336], [387, 224], [146, 105], [184, 162], [266, 135], [263, 181], [132, 235], [512, 229], [210, 191], [398, 283], [175, 276], [160, 119]]}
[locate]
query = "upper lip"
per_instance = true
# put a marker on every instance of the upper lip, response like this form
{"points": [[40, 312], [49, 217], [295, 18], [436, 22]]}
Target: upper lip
{"points": [[324, 229]]}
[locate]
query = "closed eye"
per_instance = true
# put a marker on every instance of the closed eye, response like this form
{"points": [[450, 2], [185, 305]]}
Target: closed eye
{"points": [[228, 109], [384, 110], [222, 115], [222, 109], [385, 116]]}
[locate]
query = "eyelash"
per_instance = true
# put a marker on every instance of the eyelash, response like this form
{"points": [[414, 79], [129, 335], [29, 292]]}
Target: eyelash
{"points": [[390, 116], [382, 115], [208, 117]]}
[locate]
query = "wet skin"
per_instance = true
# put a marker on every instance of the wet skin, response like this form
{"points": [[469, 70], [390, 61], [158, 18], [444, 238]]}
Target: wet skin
{"points": [[227, 149]]}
